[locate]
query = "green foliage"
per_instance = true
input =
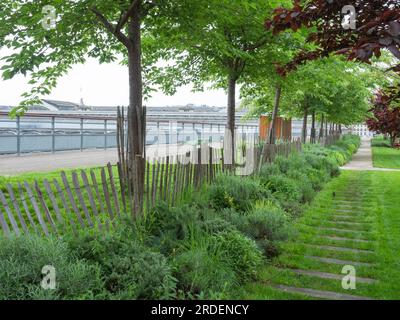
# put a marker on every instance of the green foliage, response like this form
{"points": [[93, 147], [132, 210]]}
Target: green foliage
{"points": [[332, 87], [200, 269], [21, 263], [239, 252], [282, 187], [235, 192], [383, 155], [165, 227], [266, 222], [267, 225], [202, 250], [335, 155], [129, 269]]}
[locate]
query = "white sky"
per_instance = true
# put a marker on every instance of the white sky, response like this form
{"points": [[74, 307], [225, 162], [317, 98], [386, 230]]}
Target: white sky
{"points": [[103, 85]]}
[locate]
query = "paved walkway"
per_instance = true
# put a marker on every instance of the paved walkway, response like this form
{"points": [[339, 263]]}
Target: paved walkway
{"points": [[47, 162], [362, 160], [331, 235]]}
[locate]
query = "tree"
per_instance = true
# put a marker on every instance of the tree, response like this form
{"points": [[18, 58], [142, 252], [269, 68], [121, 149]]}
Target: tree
{"points": [[48, 37], [221, 42], [329, 89], [386, 114], [377, 28]]}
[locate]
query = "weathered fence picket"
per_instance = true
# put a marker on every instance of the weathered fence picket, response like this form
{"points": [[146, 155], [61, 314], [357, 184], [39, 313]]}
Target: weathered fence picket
{"points": [[89, 199]]}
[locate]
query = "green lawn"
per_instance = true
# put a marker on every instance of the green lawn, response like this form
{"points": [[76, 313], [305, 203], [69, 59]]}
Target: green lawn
{"points": [[383, 155], [371, 204]]}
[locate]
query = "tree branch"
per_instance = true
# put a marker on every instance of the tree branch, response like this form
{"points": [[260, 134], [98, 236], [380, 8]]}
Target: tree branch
{"points": [[125, 16], [256, 45], [110, 27]]}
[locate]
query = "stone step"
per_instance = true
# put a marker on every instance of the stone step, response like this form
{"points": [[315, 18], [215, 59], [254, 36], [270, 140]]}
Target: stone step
{"points": [[356, 226], [329, 295], [342, 226], [344, 218], [340, 262], [346, 239], [350, 223], [346, 204], [342, 230], [337, 199], [347, 211], [352, 198], [359, 200], [326, 275], [340, 249]]}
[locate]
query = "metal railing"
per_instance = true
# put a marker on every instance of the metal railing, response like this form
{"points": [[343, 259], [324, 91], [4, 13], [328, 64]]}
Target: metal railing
{"points": [[51, 132]]}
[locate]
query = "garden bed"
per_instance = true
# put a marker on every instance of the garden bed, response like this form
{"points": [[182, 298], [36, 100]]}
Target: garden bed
{"points": [[206, 247]]}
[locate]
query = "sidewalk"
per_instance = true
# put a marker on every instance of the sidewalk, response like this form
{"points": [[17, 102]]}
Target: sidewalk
{"points": [[362, 160], [47, 162]]}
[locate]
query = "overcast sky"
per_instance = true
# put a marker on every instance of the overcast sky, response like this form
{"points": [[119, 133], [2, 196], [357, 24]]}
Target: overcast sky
{"points": [[103, 85]]}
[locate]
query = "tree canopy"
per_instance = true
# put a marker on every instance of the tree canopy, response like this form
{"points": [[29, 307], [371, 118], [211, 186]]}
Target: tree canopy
{"points": [[377, 27]]}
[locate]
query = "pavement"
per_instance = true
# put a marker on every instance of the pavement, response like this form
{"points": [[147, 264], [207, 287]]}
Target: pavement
{"points": [[46, 162], [362, 160]]}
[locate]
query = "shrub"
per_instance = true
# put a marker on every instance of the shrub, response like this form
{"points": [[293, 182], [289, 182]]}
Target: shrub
{"points": [[21, 263], [293, 162], [318, 178], [129, 269], [165, 227], [282, 186], [268, 248], [216, 225], [201, 271], [304, 185], [266, 223], [235, 192], [239, 252], [269, 169]]}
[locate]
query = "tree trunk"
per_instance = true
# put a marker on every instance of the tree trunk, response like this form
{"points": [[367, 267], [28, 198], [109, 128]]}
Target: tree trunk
{"points": [[304, 131], [326, 128], [229, 143], [313, 129], [136, 115], [321, 129], [392, 140], [272, 128]]}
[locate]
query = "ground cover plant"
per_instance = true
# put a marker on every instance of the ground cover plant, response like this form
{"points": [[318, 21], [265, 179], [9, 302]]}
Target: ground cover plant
{"points": [[208, 246], [384, 155]]}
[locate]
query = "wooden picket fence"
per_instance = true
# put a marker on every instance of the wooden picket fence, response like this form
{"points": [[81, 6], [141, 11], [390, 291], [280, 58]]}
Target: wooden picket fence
{"points": [[268, 152], [95, 198], [168, 178], [82, 200]]}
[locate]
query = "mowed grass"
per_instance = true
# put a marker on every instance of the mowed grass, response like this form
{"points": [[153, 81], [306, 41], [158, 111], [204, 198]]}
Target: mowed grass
{"points": [[383, 155], [374, 205]]}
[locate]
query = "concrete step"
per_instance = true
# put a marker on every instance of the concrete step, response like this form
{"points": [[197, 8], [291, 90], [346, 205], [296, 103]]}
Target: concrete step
{"points": [[345, 218], [355, 211], [329, 295], [356, 226], [345, 239], [326, 275], [340, 262], [341, 249], [342, 230]]}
